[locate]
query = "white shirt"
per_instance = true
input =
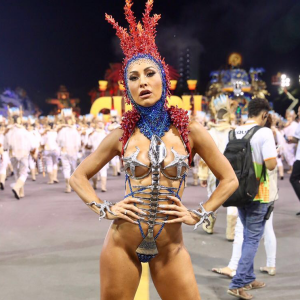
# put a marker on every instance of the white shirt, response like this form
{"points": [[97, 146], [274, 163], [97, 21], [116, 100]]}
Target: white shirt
{"points": [[1, 139], [96, 138], [263, 148], [69, 141], [290, 130], [35, 138], [297, 136], [49, 140], [19, 141]]}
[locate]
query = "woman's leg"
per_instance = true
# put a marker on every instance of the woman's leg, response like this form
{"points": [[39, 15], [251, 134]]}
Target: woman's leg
{"points": [[173, 275], [120, 272]]}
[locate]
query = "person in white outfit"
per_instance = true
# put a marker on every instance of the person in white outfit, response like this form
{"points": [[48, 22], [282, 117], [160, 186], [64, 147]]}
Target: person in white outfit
{"points": [[94, 140], [279, 141], [115, 162], [219, 132], [19, 144], [289, 130], [69, 141], [36, 142], [88, 129], [4, 157], [51, 150], [269, 237]]}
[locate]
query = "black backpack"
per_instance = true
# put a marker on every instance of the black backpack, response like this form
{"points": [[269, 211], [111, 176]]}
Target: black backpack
{"points": [[238, 152]]}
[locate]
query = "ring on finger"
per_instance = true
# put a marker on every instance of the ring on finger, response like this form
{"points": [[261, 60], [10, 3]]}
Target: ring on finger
{"points": [[125, 212]]}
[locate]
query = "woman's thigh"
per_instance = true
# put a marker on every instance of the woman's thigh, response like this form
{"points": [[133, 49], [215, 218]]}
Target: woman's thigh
{"points": [[173, 275], [120, 272]]}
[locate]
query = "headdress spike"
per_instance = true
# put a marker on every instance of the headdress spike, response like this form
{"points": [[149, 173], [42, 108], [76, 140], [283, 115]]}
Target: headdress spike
{"points": [[140, 39]]}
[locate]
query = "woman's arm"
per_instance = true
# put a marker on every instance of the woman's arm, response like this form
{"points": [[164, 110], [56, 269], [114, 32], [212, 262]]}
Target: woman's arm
{"points": [[79, 181], [203, 144]]}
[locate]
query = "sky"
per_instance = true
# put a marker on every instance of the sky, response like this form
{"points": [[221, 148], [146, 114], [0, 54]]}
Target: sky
{"points": [[44, 44]]}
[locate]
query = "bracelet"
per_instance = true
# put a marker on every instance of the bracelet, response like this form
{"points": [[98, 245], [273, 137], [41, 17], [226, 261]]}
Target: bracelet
{"points": [[203, 215], [104, 208]]}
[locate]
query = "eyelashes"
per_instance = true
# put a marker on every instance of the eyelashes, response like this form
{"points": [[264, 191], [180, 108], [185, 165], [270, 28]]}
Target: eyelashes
{"points": [[149, 74]]}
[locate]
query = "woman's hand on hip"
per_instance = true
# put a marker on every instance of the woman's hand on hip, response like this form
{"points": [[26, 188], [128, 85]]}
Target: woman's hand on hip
{"points": [[178, 210], [126, 210]]}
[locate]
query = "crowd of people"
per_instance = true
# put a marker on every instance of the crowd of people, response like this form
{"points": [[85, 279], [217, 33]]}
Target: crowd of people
{"points": [[39, 145], [157, 145], [29, 146]]}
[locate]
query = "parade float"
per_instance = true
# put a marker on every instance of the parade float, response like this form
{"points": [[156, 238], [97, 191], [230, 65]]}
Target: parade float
{"points": [[63, 100], [237, 84], [108, 97], [16, 98]]}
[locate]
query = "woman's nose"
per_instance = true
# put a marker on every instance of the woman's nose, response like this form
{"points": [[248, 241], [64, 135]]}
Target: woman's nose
{"points": [[143, 81]]}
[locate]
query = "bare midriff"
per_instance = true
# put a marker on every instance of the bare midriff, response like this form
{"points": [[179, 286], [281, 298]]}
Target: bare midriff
{"points": [[125, 232]]}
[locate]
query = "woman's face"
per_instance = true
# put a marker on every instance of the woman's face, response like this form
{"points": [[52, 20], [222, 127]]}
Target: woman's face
{"points": [[144, 82]]}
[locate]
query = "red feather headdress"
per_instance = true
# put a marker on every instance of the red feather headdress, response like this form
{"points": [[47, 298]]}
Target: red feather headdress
{"points": [[140, 39]]}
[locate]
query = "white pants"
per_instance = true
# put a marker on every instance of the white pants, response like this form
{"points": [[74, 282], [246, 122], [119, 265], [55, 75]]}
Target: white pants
{"points": [[68, 164], [279, 162], [51, 159], [31, 163], [102, 172], [115, 161], [270, 244], [4, 161], [196, 162], [232, 211], [20, 167], [289, 154]]}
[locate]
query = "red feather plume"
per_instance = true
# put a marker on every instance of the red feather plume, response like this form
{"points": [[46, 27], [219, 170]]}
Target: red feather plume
{"points": [[140, 39]]}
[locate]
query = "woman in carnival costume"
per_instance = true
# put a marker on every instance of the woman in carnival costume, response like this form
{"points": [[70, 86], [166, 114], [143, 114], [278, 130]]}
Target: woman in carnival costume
{"points": [[156, 144], [220, 106]]}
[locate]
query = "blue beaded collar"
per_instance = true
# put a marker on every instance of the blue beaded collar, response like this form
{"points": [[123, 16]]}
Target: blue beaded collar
{"points": [[154, 119]]}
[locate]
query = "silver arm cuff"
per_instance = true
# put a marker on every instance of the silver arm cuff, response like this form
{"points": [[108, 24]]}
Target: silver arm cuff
{"points": [[203, 215], [104, 208]]}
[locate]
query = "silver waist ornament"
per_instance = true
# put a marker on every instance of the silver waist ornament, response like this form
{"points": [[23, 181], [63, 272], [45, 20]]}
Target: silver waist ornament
{"points": [[155, 192], [157, 154]]}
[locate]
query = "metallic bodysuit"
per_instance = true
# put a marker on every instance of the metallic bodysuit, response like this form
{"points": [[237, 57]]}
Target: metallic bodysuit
{"points": [[157, 193]]}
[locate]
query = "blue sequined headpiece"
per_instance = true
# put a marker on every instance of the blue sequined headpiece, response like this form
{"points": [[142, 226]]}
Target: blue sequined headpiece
{"points": [[154, 119]]}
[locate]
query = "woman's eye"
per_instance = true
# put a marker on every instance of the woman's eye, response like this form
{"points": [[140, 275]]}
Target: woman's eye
{"points": [[133, 78], [150, 74]]}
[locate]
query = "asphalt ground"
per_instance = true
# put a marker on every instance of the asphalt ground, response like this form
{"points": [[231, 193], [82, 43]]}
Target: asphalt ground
{"points": [[50, 244]]}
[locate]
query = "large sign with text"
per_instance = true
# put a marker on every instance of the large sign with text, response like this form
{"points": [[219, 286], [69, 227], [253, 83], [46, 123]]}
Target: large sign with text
{"points": [[105, 103]]}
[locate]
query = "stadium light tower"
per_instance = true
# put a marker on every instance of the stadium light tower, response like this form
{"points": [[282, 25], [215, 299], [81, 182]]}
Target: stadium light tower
{"points": [[283, 82]]}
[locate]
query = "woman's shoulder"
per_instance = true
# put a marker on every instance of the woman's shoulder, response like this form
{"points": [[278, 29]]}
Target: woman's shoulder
{"points": [[195, 127], [116, 133]]}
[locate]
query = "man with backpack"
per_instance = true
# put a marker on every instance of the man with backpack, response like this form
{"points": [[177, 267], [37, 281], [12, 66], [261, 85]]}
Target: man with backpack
{"points": [[251, 150]]}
